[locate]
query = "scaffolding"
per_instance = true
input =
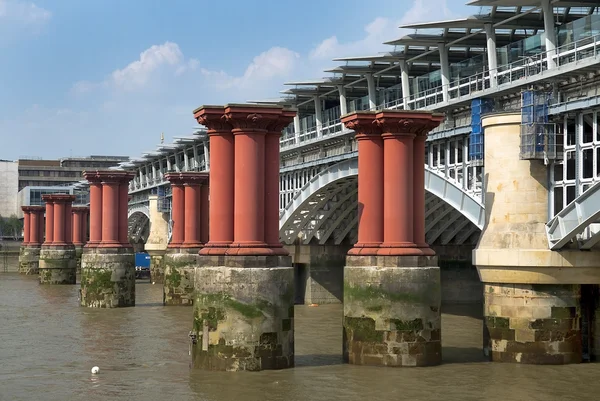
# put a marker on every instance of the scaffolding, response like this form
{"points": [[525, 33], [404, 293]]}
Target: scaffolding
{"points": [[164, 199], [476, 143], [539, 137]]}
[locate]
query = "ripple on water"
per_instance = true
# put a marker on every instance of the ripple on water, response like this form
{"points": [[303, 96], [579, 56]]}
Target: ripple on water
{"points": [[49, 344]]}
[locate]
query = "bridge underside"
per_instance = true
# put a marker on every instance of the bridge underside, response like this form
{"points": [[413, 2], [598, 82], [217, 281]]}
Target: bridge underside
{"points": [[138, 228], [330, 216]]}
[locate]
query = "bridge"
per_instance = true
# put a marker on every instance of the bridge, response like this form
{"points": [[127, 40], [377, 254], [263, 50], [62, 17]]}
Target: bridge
{"points": [[508, 183]]}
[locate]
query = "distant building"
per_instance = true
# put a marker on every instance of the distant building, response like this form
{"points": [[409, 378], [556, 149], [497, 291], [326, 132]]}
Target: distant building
{"points": [[9, 185], [45, 173]]}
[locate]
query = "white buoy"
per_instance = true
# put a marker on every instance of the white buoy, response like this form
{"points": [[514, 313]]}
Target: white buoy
{"points": [[95, 370]]}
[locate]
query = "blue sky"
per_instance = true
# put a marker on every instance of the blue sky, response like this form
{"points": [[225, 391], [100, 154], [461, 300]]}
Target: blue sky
{"points": [[92, 77]]}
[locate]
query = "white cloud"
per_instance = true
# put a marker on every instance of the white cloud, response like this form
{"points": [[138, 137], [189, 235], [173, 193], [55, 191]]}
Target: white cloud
{"points": [[23, 12]]}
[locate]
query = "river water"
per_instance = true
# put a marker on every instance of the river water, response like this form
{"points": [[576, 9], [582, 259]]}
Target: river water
{"points": [[48, 344]]}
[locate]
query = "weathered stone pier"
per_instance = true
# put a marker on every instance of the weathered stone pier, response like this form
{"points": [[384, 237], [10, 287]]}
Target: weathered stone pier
{"points": [[244, 283], [57, 254], [108, 262], [189, 200], [33, 236], [392, 294]]}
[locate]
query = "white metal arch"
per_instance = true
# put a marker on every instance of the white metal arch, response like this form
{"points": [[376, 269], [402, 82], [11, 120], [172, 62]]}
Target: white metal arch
{"points": [[141, 208], [319, 190]]}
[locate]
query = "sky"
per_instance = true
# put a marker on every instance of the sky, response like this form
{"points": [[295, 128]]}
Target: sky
{"points": [[107, 77]]}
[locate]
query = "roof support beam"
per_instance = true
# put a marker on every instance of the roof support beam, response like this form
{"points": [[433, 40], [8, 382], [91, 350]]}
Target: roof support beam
{"points": [[550, 33], [491, 54]]}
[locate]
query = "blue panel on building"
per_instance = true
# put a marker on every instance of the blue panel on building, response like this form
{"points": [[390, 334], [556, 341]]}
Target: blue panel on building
{"points": [[478, 108]]}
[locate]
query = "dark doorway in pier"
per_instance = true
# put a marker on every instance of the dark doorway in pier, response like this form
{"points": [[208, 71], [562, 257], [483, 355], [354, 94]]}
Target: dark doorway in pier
{"points": [[300, 272], [589, 303]]}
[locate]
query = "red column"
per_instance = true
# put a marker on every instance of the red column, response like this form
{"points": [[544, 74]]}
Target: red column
{"points": [[84, 225], [122, 215], [77, 235], [95, 209], [68, 223], [177, 214], [370, 182], [34, 234], [110, 214], [40, 227], [221, 189], [59, 223], [192, 215], [272, 163], [204, 213], [49, 223], [249, 129], [26, 223]]}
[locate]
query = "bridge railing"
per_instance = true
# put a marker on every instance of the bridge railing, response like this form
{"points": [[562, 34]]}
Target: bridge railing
{"points": [[535, 65]]}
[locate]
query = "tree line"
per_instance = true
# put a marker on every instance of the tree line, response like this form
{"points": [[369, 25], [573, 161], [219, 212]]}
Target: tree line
{"points": [[11, 227]]}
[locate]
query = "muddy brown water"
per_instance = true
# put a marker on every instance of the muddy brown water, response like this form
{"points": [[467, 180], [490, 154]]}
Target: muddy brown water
{"points": [[48, 344]]}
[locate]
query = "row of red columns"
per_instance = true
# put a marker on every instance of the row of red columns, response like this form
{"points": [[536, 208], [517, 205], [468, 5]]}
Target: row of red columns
{"points": [[244, 143], [109, 198], [391, 182], [33, 225], [59, 212], [189, 199], [80, 225]]}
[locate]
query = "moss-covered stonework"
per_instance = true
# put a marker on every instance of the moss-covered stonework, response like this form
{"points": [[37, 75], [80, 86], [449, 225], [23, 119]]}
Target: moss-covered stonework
{"points": [[157, 266], [532, 323], [178, 288], [107, 278], [29, 259], [57, 264], [78, 253], [392, 311], [243, 318]]}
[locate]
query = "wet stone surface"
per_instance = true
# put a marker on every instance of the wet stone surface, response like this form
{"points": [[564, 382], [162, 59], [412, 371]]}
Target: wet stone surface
{"points": [[243, 318], [29, 259], [107, 278], [179, 277], [57, 265], [157, 267], [392, 314], [532, 323]]}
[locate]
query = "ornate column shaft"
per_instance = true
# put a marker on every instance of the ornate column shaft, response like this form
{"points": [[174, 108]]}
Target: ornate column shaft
{"points": [[40, 228], [272, 163], [122, 225], [221, 190], [84, 225], [110, 213], [34, 226], [178, 214], [77, 225], [95, 209], [370, 182], [68, 223], [49, 223], [59, 223], [204, 212], [26, 225], [249, 129]]}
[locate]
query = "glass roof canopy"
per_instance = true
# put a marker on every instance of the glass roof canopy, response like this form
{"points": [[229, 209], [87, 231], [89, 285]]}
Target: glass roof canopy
{"points": [[465, 38]]}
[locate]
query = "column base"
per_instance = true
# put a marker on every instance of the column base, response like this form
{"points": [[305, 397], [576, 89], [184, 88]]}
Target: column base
{"points": [[532, 323], [178, 286], [29, 259], [157, 266], [392, 311], [57, 264], [107, 277], [243, 315]]}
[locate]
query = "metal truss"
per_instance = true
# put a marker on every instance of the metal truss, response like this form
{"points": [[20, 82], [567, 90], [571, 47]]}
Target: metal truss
{"points": [[326, 209]]}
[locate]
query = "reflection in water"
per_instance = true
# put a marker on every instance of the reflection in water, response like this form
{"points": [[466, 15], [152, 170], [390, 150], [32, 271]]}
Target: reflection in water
{"points": [[49, 344]]}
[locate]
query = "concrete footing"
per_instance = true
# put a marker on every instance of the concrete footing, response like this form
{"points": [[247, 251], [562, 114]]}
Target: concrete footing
{"points": [[57, 264], [243, 313], [157, 266], [107, 277], [29, 259], [532, 323], [178, 286], [392, 311]]}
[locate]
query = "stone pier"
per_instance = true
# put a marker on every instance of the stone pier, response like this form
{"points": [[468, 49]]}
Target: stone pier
{"points": [[80, 229], [189, 193], [532, 296], [244, 282], [158, 238], [33, 234], [57, 254], [108, 261], [392, 293]]}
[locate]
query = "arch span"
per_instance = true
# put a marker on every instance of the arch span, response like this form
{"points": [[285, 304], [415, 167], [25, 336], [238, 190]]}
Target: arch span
{"points": [[325, 209], [138, 227]]}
